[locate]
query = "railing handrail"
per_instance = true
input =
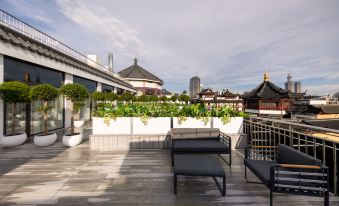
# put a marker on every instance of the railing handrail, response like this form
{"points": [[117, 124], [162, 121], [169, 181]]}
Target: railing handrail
{"points": [[18, 25], [297, 124]]}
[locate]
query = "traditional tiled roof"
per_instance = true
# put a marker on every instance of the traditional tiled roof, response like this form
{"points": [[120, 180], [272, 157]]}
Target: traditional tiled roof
{"points": [[13, 37], [227, 93], [207, 91], [137, 72], [268, 90]]}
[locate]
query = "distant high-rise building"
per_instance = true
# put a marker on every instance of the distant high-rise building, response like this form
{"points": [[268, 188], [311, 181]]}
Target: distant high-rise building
{"points": [[194, 87], [289, 85], [297, 87]]}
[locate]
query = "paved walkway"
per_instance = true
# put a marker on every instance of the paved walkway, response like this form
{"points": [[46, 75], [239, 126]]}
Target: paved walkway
{"points": [[74, 176]]}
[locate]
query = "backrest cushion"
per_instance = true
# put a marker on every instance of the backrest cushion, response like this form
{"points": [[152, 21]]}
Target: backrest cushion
{"points": [[288, 155], [183, 133], [208, 133]]}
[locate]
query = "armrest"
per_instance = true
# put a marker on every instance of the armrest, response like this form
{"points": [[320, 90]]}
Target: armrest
{"points": [[225, 138], [300, 166], [262, 151], [317, 177]]}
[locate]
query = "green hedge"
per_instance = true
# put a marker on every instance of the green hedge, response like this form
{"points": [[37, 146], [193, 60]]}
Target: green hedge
{"points": [[156, 109]]}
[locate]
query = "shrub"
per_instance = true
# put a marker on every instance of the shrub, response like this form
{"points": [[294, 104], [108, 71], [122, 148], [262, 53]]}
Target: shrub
{"points": [[14, 92], [184, 98], [44, 93], [174, 98], [143, 98], [153, 98], [126, 96], [77, 93], [163, 98], [98, 96]]}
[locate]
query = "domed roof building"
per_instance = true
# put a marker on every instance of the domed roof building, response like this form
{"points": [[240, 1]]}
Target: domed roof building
{"points": [[142, 80]]}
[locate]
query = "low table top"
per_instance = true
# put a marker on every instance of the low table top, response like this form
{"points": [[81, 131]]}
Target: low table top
{"points": [[198, 165]]}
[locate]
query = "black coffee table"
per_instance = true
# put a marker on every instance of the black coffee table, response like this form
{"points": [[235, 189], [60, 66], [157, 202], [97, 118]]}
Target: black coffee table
{"points": [[206, 165]]}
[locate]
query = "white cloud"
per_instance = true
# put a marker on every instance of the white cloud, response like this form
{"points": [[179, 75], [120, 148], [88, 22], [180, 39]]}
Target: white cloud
{"points": [[98, 20]]}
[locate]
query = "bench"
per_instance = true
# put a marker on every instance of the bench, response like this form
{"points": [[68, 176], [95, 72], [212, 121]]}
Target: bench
{"points": [[200, 141], [286, 170], [199, 165]]}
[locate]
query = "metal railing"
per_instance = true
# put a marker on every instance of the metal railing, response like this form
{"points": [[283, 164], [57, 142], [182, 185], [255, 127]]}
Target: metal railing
{"points": [[17, 25], [321, 143]]}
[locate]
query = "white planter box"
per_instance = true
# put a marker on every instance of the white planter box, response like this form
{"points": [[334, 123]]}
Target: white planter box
{"points": [[121, 125], [232, 127], [72, 141], [191, 123], [158, 125]]}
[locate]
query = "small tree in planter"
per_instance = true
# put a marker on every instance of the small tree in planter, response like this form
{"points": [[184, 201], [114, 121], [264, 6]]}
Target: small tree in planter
{"points": [[163, 98], [44, 93], [14, 92], [77, 93], [184, 98]]}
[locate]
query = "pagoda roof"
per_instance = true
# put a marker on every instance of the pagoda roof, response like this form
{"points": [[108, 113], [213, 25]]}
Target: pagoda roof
{"points": [[137, 72], [268, 90]]}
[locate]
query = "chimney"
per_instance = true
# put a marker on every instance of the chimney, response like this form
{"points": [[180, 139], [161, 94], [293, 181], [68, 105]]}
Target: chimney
{"points": [[110, 61], [135, 61]]}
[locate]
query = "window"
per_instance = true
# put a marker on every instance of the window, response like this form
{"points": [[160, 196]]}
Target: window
{"points": [[107, 88], [28, 118]]}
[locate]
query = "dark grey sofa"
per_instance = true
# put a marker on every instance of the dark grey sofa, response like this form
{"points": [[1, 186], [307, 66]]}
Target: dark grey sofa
{"points": [[286, 170], [200, 141]]}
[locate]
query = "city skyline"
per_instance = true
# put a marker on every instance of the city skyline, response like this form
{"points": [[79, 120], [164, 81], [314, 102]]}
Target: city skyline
{"points": [[227, 44]]}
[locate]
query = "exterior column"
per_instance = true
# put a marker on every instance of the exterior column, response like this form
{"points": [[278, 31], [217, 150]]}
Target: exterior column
{"points": [[115, 90], [99, 89], [1, 102], [68, 104]]}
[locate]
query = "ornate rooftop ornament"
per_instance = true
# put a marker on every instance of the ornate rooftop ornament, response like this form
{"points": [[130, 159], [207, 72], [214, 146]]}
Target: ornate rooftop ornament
{"points": [[266, 77]]}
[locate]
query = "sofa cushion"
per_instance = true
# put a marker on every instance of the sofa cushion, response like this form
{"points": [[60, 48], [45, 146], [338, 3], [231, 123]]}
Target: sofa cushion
{"points": [[196, 146], [261, 169], [184, 133], [288, 155], [208, 133]]}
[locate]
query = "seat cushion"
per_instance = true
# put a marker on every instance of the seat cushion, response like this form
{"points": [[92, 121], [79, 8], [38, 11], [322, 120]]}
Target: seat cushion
{"points": [[288, 155], [261, 169], [197, 146], [198, 165]]}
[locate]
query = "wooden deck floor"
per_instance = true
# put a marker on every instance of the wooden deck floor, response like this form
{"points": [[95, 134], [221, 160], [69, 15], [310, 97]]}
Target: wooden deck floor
{"points": [[64, 176]]}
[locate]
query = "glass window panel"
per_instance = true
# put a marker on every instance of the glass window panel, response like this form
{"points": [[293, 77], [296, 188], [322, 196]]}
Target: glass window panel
{"points": [[55, 116], [20, 118], [16, 70], [107, 88], [89, 84]]}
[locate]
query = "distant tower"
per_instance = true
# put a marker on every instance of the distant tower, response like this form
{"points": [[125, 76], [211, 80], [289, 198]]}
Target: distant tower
{"points": [[297, 87], [289, 85], [110, 61], [194, 87]]}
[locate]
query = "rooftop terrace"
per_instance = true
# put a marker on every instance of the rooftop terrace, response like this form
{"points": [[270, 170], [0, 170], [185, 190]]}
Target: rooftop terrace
{"points": [[57, 175]]}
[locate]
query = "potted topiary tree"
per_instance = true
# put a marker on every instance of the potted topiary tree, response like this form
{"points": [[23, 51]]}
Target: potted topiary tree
{"points": [[44, 93], [14, 92], [77, 93]]}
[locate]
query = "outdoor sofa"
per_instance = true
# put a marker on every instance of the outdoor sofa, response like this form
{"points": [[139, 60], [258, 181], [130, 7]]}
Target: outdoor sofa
{"points": [[286, 170], [200, 141]]}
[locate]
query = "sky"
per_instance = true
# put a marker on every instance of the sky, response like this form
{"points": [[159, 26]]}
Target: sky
{"points": [[228, 44]]}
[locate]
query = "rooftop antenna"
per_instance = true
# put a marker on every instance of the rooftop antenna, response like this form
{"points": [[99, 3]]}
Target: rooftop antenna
{"points": [[110, 61]]}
